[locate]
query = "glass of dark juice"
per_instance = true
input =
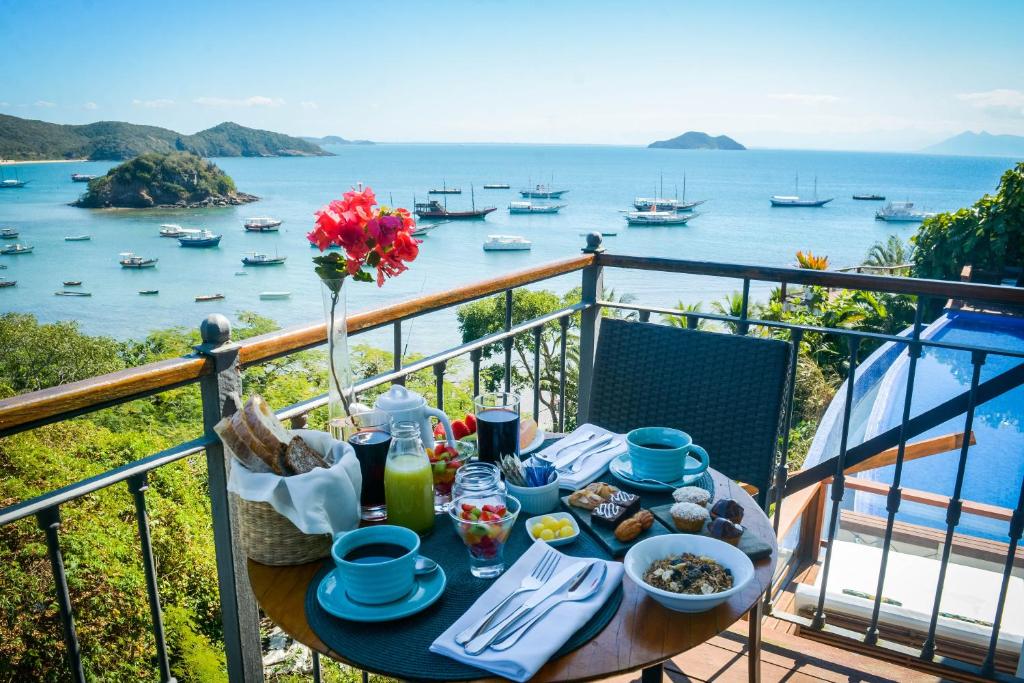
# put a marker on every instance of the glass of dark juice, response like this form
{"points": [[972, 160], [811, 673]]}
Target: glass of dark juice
{"points": [[497, 425], [371, 447]]}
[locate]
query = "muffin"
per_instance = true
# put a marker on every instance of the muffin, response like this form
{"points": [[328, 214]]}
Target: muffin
{"points": [[724, 530], [689, 517], [692, 494], [729, 509]]}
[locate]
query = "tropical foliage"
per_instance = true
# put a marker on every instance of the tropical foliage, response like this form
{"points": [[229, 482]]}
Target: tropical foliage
{"points": [[888, 254]]}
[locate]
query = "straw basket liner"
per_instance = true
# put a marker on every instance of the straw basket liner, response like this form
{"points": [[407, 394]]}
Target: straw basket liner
{"points": [[270, 538]]}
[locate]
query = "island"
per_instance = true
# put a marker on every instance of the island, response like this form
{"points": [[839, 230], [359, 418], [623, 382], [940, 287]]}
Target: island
{"points": [[29, 140], [335, 140], [981, 144], [178, 180], [696, 140]]}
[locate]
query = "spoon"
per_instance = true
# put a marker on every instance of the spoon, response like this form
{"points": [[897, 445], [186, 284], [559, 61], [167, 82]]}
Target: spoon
{"points": [[424, 565]]}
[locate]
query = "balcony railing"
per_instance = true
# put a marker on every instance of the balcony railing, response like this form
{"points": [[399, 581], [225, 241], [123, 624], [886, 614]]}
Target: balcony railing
{"points": [[806, 504]]}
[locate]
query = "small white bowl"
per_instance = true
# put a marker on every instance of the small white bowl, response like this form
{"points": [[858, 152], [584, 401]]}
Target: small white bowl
{"points": [[536, 500], [556, 541], [644, 553]]}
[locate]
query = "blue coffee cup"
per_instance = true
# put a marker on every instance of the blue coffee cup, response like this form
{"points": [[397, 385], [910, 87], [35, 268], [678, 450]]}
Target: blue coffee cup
{"points": [[379, 564], [664, 454]]}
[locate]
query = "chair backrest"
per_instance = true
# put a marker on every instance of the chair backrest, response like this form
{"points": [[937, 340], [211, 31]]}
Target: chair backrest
{"points": [[724, 390]]}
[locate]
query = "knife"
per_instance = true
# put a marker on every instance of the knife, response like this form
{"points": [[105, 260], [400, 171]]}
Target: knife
{"points": [[560, 581], [562, 462]]}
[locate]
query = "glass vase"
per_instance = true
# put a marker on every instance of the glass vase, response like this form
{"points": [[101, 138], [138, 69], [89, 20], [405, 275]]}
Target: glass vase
{"points": [[341, 393]]}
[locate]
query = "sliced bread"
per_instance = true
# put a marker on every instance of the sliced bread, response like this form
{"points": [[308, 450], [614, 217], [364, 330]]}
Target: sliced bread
{"points": [[300, 457]]}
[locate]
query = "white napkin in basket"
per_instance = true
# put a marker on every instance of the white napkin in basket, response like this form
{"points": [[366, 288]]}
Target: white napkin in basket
{"points": [[321, 501]]}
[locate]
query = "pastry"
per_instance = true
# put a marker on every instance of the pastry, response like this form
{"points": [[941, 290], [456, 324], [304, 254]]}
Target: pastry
{"points": [[608, 515], [729, 509], [627, 501], [585, 499], [602, 489], [634, 526], [724, 530], [692, 494], [689, 517]]}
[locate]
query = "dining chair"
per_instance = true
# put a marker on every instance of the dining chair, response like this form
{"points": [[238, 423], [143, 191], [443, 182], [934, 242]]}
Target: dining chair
{"points": [[725, 390]]}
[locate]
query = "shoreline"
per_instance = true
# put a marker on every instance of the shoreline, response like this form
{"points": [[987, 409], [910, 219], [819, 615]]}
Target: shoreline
{"points": [[11, 162]]}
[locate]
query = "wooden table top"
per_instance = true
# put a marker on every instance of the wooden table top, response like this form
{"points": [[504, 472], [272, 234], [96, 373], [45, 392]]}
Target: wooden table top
{"points": [[642, 633]]}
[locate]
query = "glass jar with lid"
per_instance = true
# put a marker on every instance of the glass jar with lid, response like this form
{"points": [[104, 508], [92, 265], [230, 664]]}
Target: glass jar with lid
{"points": [[478, 478]]}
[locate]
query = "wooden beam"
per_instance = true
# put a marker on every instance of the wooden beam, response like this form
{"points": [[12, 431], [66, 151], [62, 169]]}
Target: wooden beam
{"points": [[913, 451]]}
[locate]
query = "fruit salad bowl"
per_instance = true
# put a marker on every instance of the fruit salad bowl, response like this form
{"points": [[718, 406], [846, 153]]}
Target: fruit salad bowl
{"points": [[444, 463]]}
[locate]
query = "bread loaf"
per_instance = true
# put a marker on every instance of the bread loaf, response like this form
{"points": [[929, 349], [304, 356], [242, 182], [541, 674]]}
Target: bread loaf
{"points": [[300, 457], [259, 441]]}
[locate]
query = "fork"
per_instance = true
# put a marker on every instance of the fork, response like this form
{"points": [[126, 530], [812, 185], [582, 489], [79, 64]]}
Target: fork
{"points": [[541, 572], [564, 447]]}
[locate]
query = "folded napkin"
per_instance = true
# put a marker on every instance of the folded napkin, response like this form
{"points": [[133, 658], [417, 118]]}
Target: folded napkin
{"points": [[521, 661], [594, 465]]}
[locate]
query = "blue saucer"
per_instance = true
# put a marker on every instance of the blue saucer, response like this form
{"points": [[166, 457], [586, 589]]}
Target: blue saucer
{"points": [[622, 468], [427, 589]]}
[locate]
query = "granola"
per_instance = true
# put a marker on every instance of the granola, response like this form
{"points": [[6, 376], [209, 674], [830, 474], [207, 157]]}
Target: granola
{"points": [[689, 574]]}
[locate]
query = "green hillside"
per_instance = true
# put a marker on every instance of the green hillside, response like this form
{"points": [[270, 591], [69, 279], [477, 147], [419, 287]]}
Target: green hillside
{"points": [[25, 139]]}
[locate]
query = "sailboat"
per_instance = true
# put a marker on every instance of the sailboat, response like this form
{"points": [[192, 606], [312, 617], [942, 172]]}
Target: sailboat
{"points": [[797, 200], [662, 203], [433, 209], [7, 183]]}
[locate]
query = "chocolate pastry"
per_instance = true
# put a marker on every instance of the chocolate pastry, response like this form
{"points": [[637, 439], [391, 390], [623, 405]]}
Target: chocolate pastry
{"points": [[625, 500], [608, 514], [729, 509], [724, 530]]}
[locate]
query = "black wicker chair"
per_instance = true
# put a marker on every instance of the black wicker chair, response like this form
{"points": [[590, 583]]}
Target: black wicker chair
{"points": [[725, 390]]}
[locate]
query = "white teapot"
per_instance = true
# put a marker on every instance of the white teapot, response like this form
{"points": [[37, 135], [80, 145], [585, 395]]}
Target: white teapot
{"points": [[399, 404]]}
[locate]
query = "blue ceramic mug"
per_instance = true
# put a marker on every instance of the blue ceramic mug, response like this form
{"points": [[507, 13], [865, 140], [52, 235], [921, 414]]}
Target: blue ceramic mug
{"points": [[664, 454], [378, 564]]}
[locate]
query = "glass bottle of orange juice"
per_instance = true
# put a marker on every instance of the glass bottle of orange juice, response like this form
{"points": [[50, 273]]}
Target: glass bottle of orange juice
{"points": [[408, 482]]}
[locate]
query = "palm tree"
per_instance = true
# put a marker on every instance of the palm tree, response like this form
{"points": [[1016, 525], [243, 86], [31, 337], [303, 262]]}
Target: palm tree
{"points": [[732, 305], [681, 320], [892, 252]]}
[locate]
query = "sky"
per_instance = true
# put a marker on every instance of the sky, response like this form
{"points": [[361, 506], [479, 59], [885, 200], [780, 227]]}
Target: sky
{"points": [[821, 75]]}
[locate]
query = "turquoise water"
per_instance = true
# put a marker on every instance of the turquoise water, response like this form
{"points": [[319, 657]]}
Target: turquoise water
{"points": [[736, 224]]}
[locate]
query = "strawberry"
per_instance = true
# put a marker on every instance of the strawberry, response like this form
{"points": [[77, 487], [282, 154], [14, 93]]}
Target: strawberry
{"points": [[438, 431], [439, 452], [460, 430], [468, 507], [490, 508], [471, 423]]}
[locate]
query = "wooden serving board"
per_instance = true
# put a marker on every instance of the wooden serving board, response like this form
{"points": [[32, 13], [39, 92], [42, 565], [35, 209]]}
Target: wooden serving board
{"points": [[749, 543], [605, 536]]}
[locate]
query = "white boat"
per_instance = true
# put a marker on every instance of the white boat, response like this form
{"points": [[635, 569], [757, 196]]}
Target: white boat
{"points": [[77, 238], [274, 295], [657, 217], [130, 260], [663, 203], [534, 207], [9, 183], [541, 192], [8, 233], [262, 224], [175, 230], [15, 249], [257, 259], [902, 212], [795, 200], [507, 243]]}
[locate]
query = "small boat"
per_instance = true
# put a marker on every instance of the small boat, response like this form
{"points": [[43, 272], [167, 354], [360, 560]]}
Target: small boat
{"points": [[209, 297], [531, 207], [432, 209], [262, 224], [8, 283], [444, 189], [657, 217], [15, 249], [67, 293], [422, 230], [542, 192], [81, 177], [257, 259], [175, 230], [662, 203], [507, 243], [267, 296], [8, 233], [200, 240], [870, 197], [9, 184], [901, 212], [795, 200], [497, 186], [77, 238], [240, 272], [149, 292], [603, 234], [72, 283], [130, 260]]}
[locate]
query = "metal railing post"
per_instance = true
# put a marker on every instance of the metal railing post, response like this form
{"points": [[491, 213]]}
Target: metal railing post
{"points": [[508, 342], [239, 613], [49, 522], [397, 351], [590, 320]]}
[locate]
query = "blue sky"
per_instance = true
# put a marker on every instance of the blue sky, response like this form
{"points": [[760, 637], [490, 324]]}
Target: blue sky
{"points": [[827, 75]]}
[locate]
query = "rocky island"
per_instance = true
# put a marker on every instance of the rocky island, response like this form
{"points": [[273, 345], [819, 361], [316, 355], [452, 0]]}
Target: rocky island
{"points": [[179, 180], [696, 140]]}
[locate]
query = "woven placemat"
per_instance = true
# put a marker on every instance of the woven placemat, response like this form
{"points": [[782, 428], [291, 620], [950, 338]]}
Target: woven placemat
{"points": [[400, 648]]}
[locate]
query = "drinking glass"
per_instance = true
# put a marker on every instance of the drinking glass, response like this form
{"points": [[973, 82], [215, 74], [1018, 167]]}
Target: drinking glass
{"points": [[371, 447], [445, 467], [484, 523], [497, 425], [408, 482]]}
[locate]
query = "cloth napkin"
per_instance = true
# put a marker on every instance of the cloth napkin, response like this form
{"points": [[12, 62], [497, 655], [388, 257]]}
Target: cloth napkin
{"points": [[521, 661], [321, 501], [594, 465]]}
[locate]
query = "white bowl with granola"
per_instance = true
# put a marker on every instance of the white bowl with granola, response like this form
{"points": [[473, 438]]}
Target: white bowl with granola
{"points": [[688, 573]]}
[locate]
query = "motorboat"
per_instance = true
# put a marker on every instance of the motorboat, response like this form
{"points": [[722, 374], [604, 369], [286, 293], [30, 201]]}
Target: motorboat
{"points": [[270, 296], [257, 259], [262, 224], [67, 293], [72, 283], [199, 240], [210, 297], [531, 207], [795, 200], [81, 177], [149, 292], [8, 283], [870, 197], [902, 212], [175, 230], [507, 243], [8, 233], [15, 249], [497, 186], [541, 192], [444, 189], [657, 217], [77, 238], [130, 260]]}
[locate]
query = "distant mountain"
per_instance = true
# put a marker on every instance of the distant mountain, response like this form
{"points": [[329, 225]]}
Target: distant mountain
{"points": [[335, 140], [25, 139], [696, 140], [980, 144]]}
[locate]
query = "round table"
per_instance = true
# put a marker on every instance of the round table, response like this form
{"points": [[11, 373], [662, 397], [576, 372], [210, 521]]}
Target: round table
{"points": [[641, 634]]}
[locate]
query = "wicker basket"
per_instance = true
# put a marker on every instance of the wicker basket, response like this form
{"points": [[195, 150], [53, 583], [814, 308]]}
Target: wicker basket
{"points": [[270, 538]]}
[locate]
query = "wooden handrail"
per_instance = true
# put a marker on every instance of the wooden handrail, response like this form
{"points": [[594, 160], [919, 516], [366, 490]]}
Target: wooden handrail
{"points": [[118, 387], [913, 451], [937, 500]]}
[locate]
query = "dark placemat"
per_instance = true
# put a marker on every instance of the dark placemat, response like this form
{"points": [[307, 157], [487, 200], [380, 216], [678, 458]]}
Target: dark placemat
{"points": [[400, 648], [606, 536], [754, 547]]}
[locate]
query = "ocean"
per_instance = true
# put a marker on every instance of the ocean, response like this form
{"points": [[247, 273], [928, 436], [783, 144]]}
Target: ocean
{"points": [[735, 224]]}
